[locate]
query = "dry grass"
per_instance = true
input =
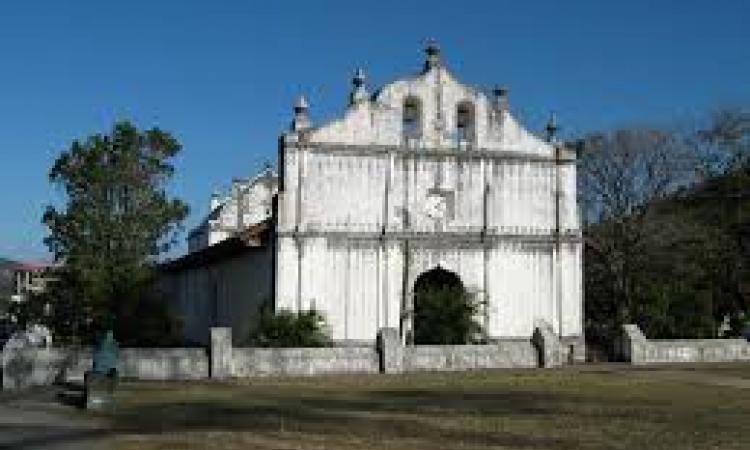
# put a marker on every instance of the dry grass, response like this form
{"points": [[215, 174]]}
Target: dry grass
{"points": [[600, 407]]}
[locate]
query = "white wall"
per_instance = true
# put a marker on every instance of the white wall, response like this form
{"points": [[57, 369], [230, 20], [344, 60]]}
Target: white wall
{"points": [[346, 200]]}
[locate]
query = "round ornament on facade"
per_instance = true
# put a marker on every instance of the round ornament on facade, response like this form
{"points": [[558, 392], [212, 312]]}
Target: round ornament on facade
{"points": [[436, 206]]}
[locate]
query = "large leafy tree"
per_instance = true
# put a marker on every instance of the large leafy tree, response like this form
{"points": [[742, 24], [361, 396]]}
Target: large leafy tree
{"points": [[664, 215], [116, 220], [623, 175], [722, 200]]}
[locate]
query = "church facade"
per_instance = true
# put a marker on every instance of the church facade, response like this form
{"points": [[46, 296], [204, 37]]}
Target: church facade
{"points": [[427, 174]]}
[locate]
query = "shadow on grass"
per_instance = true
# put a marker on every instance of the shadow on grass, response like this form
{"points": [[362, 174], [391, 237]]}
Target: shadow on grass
{"points": [[555, 410], [71, 394], [21, 437], [34, 419], [588, 409], [448, 418]]}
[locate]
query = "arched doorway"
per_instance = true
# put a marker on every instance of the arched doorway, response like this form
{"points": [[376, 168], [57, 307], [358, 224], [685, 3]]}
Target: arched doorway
{"points": [[443, 310]]}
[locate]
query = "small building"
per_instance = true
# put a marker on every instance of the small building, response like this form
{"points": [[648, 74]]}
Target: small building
{"points": [[30, 278]]}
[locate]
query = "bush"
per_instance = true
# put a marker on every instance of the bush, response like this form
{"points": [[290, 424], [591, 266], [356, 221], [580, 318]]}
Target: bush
{"points": [[291, 329], [446, 316]]}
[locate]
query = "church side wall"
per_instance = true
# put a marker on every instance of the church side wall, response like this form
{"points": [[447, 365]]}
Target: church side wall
{"points": [[227, 293], [186, 295], [247, 284]]}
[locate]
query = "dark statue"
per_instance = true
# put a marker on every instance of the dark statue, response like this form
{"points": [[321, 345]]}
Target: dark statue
{"points": [[106, 354], [100, 381]]}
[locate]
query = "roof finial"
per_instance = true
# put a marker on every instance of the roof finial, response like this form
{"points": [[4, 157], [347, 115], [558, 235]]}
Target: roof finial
{"points": [[501, 97], [215, 200], [359, 93], [551, 127], [433, 55], [301, 120]]}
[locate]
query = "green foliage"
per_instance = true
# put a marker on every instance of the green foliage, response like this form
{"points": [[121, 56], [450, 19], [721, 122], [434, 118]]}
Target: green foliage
{"points": [[116, 220], [445, 315], [667, 245], [290, 329]]}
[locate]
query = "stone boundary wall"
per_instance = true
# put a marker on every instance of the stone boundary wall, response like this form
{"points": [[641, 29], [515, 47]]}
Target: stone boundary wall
{"points": [[255, 362], [502, 355], [164, 363], [30, 366], [636, 349]]}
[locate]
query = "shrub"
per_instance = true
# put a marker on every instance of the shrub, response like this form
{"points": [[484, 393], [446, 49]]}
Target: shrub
{"points": [[446, 316], [291, 329]]}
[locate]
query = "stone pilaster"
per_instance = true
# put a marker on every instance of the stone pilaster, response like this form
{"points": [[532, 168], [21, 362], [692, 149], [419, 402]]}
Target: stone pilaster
{"points": [[548, 345], [632, 344], [390, 351], [221, 353]]}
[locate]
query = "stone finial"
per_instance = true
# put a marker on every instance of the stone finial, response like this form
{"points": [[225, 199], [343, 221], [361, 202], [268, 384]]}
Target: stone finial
{"points": [[215, 200], [301, 119], [301, 104], [551, 127], [433, 55], [500, 92], [359, 93]]}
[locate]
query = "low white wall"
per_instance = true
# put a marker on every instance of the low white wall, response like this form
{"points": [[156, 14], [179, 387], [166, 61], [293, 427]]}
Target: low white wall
{"points": [[502, 355], [163, 363], [637, 349], [43, 366], [38, 366], [252, 362]]}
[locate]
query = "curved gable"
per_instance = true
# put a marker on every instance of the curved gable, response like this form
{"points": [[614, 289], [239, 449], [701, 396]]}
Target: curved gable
{"points": [[439, 100]]}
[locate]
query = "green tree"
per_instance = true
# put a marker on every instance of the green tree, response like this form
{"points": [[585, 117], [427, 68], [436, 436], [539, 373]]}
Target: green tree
{"points": [[722, 200], [290, 329], [116, 220], [663, 217]]}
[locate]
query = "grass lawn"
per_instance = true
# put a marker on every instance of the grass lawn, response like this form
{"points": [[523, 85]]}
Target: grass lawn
{"points": [[587, 407]]}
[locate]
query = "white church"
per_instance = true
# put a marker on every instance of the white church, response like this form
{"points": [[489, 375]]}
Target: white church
{"points": [[425, 178]]}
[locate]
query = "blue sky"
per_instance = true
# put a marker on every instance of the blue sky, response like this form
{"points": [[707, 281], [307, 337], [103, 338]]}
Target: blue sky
{"points": [[222, 75]]}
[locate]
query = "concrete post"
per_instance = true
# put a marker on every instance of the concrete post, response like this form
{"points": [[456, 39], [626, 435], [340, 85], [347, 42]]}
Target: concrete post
{"points": [[221, 353], [548, 345], [390, 350], [632, 344]]}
